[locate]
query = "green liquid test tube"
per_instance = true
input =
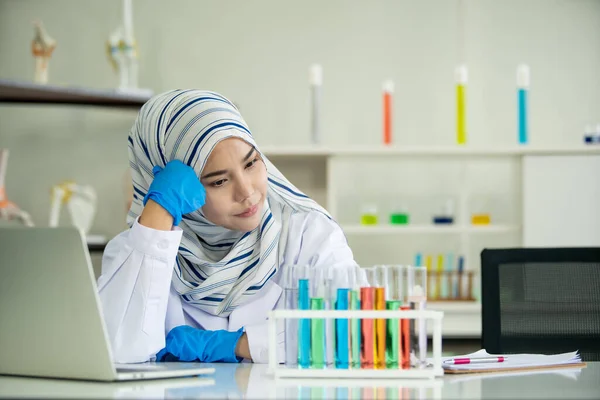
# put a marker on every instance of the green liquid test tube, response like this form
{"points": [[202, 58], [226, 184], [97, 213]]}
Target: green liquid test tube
{"points": [[317, 336], [392, 348], [355, 330]]}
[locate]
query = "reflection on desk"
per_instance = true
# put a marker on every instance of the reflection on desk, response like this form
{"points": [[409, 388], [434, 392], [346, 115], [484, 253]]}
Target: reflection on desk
{"points": [[252, 381]]}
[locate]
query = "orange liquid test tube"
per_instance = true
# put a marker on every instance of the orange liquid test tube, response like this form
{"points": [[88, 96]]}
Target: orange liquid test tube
{"points": [[405, 332], [367, 342], [388, 89]]}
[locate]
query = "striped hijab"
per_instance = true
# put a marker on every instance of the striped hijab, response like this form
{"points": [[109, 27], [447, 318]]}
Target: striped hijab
{"points": [[217, 269]]}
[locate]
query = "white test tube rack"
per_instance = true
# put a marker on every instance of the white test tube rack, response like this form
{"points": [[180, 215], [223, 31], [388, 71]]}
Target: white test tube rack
{"points": [[430, 372]]}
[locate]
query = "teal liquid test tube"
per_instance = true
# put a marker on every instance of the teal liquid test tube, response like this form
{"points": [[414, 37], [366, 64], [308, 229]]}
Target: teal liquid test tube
{"points": [[317, 336], [418, 259], [522, 89], [342, 334], [304, 331]]}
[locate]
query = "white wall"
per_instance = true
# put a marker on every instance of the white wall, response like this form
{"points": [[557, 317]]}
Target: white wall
{"points": [[257, 53]]}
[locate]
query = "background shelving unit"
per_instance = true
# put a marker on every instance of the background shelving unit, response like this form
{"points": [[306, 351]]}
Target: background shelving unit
{"points": [[319, 171], [27, 93]]}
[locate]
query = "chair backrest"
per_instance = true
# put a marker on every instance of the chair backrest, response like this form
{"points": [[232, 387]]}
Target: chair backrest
{"points": [[541, 300]]}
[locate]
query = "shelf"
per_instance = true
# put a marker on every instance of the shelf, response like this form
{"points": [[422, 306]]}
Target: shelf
{"points": [[455, 306], [412, 151], [19, 92], [427, 229]]}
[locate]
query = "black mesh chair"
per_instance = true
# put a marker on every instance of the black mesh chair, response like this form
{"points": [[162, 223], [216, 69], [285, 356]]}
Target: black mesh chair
{"points": [[541, 301]]}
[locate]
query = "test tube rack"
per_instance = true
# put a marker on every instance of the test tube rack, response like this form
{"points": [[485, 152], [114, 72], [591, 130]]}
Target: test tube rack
{"points": [[434, 369], [450, 285]]}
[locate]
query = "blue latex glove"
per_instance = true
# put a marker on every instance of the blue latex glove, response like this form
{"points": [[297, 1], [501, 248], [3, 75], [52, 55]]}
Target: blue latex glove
{"points": [[185, 343], [177, 189]]}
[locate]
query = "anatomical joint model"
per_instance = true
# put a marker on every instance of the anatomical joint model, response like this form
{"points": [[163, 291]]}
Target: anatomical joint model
{"points": [[8, 209], [122, 51], [42, 47], [80, 201]]}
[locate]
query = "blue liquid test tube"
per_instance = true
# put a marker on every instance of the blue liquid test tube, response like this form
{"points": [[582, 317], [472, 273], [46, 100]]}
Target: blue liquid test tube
{"points": [[461, 266], [418, 259], [342, 333], [449, 276], [303, 325], [522, 89]]}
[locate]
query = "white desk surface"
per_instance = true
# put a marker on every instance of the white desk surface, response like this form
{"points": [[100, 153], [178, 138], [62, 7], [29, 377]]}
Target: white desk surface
{"points": [[251, 381]]}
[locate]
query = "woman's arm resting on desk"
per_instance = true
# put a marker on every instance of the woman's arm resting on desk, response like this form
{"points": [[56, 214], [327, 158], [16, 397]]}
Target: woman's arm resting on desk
{"points": [[137, 267], [185, 343]]}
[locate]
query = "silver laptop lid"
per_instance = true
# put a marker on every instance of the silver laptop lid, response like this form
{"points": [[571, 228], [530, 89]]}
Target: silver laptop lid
{"points": [[50, 315]]}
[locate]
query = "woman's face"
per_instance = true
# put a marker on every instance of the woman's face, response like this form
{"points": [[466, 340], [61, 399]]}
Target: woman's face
{"points": [[235, 179]]}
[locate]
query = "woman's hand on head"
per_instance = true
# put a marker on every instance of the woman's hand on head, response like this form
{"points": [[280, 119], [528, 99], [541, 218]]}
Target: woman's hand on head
{"points": [[177, 189]]}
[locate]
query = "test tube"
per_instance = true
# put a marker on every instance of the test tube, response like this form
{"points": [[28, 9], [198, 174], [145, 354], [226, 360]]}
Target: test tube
{"points": [[429, 266], [342, 334], [392, 349], [459, 284], [405, 337], [450, 275], [418, 259], [317, 335], [381, 275], [317, 325], [316, 81], [400, 283], [461, 119], [330, 297], [417, 298], [367, 340], [304, 324], [522, 89], [291, 325], [388, 90], [355, 332], [393, 303], [440, 286]]}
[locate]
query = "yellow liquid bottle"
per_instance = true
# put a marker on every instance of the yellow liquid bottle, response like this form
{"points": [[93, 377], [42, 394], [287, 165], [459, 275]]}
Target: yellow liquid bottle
{"points": [[461, 120]]}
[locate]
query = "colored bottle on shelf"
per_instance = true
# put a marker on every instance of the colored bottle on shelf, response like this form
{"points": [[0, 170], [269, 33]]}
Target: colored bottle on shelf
{"points": [[589, 134], [481, 219], [388, 91], [461, 76], [447, 214], [522, 95], [399, 216], [369, 215]]}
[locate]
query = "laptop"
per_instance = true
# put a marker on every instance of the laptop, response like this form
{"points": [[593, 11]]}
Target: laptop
{"points": [[50, 312]]}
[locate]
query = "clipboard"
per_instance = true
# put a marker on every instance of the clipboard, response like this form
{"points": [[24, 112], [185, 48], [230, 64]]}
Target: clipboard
{"points": [[515, 369]]}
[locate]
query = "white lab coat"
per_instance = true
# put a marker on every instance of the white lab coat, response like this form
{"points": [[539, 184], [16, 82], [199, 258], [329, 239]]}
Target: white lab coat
{"points": [[140, 305]]}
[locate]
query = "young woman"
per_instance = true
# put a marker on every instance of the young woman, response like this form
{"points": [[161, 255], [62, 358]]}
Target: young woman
{"points": [[212, 225]]}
